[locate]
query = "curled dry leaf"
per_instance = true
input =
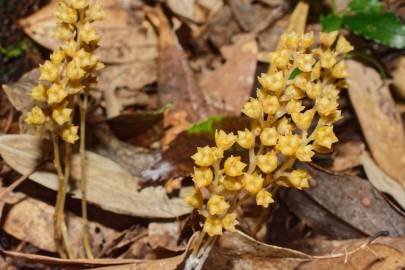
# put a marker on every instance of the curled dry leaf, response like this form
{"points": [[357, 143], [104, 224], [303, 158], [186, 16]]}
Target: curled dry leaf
{"points": [[121, 42], [109, 186], [355, 202], [32, 220], [381, 123], [229, 86], [382, 181], [347, 155]]}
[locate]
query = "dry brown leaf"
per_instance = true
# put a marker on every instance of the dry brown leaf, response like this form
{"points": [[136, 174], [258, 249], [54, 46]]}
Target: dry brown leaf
{"points": [[109, 186], [229, 86], [355, 202], [198, 11], [121, 42], [398, 76], [164, 234], [18, 93], [382, 181], [176, 81], [132, 77], [347, 155], [381, 123], [254, 17], [32, 220]]}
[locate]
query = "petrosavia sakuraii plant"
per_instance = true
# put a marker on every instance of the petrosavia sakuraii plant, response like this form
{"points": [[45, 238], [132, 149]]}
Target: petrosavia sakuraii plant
{"points": [[65, 81], [291, 119]]}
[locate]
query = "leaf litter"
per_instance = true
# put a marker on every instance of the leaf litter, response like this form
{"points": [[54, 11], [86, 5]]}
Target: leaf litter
{"points": [[175, 72]]}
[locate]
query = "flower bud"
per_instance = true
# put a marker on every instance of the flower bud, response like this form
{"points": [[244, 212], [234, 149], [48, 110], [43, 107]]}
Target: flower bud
{"points": [[223, 140], [268, 162], [307, 40], [56, 93], [339, 70], [288, 144], [284, 126], [232, 183], [213, 226], [233, 166], [61, 115], [299, 179], [253, 109], [305, 62], [95, 13], [269, 136], [270, 104], [305, 153], [325, 137], [88, 34], [313, 90], [49, 71], [343, 46], [303, 120], [73, 71], [253, 183], [327, 59], [57, 57], [325, 105], [203, 176], [280, 59], [78, 4], [217, 205], [205, 156], [35, 117], [65, 14], [38, 93], [64, 32], [69, 134], [70, 48], [327, 39], [264, 198], [272, 82], [290, 40], [229, 222], [294, 106], [194, 199], [246, 139]]}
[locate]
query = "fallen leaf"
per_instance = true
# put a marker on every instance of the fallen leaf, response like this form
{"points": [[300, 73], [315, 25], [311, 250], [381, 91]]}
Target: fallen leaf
{"points": [[32, 221], [164, 234], [133, 76], [347, 155], [18, 93], [254, 17], [229, 86], [382, 181], [109, 186], [381, 123], [355, 202], [398, 77], [176, 82], [121, 42], [198, 11]]}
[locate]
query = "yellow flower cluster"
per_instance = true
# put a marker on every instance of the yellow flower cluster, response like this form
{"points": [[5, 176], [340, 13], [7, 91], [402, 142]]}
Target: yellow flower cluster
{"points": [[292, 118], [70, 70]]}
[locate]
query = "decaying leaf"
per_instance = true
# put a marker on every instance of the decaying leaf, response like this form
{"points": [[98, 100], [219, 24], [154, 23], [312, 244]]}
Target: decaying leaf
{"points": [[109, 186], [254, 17], [195, 10], [229, 86], [18, 93], [398, 76], [32, 220], [382, 181], [347, 155], [176, 81], [132, 77], [356, 202], [380, 122], [121, 42]]}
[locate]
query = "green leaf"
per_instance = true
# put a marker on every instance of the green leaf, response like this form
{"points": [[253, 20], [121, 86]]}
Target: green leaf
{"points": [[206, 126], [385, 29], [331, 22], [294, 73], [366, 7]]}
